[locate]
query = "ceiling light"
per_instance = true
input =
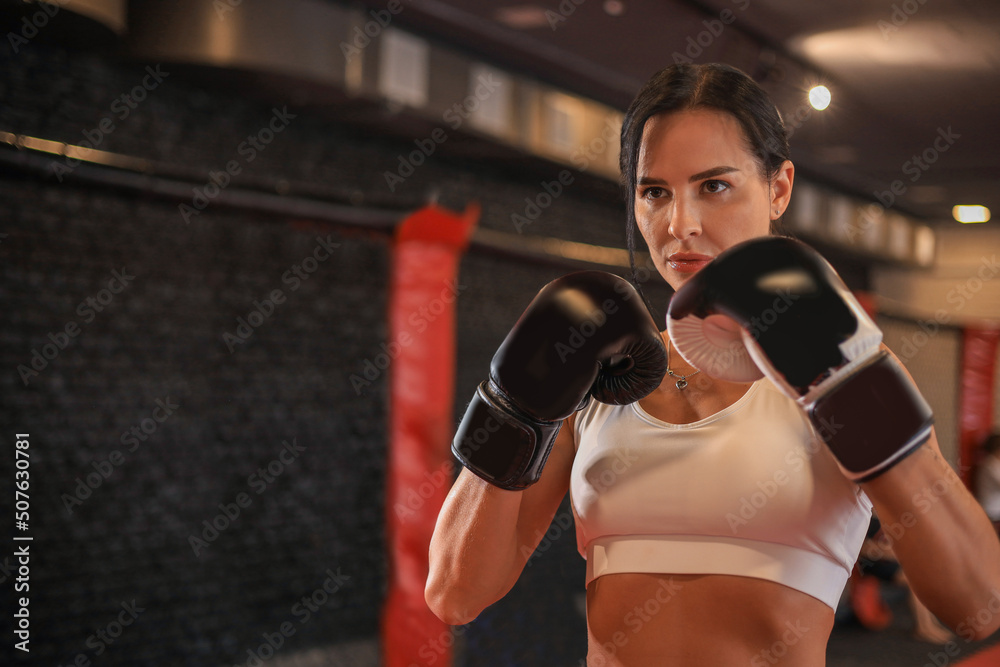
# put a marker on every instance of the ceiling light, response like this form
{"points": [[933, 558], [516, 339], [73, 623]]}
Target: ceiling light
{"points": [[932, 45], [614, 7], [522, 17], [819, 97], [971, 213]]}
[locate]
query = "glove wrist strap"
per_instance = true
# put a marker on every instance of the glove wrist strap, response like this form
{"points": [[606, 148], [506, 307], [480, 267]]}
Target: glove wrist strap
{"points": [[500, 443], [872, 419]]}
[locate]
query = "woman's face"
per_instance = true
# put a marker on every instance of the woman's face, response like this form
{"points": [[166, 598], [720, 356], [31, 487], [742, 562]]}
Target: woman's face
{"points": [[699, 190]]}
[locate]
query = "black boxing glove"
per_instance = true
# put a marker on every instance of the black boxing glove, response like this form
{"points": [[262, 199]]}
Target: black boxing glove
{"points": [[806, 332], [585, 334]]}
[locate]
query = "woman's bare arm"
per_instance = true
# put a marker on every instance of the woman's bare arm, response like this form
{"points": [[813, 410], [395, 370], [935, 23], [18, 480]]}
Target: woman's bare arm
{"points": [[485, 535], [943, 540]]}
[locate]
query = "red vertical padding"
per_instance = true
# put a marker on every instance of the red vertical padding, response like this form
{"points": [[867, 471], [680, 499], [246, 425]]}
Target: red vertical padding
{"points": [[426, 253], [979, 353]]}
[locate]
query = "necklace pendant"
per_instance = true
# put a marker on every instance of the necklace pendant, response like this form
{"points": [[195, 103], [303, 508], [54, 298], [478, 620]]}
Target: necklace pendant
{"points": [[682, 383]]}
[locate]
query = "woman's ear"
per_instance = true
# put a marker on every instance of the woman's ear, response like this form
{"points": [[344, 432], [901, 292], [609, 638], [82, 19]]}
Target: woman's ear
{"points": [[781, 189]]}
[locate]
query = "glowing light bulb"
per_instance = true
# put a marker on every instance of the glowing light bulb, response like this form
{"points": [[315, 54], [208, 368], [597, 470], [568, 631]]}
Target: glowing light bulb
{"points": [[819, 97], [971, 213]]}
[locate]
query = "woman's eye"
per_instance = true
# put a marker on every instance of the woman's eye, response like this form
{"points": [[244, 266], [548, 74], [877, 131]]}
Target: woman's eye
{"points": [[716, 186], [652, 193]]}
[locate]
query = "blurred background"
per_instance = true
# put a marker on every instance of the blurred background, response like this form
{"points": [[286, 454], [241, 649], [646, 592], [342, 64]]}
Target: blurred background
{"points": [[200, 200]]}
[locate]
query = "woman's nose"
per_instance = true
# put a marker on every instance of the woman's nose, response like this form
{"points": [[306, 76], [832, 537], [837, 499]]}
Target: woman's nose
{"points": [[684, 222]]}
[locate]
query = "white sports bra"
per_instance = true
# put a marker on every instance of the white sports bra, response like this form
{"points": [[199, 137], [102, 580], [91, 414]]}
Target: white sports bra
{"points": [[749, 491]]}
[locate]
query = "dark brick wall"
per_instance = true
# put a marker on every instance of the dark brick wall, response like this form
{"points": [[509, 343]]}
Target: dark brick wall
{"points": [[160, 338]]}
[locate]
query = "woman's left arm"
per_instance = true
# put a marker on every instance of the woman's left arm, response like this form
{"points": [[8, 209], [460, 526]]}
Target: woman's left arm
{"points": [[943, 540]]}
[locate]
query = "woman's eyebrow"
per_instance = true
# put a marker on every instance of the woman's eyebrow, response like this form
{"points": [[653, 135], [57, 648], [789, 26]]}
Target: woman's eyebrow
{"points": [[646, 180], [708, 173]]}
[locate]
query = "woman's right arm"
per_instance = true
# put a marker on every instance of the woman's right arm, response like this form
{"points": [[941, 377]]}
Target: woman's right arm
{"points": [[485, 535]]}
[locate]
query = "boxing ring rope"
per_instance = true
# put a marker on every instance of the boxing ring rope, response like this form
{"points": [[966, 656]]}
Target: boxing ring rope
{"points": [[115, 171]]}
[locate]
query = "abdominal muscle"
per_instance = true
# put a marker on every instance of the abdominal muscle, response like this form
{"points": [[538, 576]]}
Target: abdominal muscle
{"points": [[640, 620]]}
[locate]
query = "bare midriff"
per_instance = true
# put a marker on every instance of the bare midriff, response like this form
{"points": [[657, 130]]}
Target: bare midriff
{"points": [[640, 620]]}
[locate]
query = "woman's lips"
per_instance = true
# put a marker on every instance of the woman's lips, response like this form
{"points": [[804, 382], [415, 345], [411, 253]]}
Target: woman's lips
{"points": [[688, 262]]}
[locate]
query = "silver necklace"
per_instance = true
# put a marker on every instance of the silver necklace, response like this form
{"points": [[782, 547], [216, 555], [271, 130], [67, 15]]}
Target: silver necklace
{"points": [[682, 383]]}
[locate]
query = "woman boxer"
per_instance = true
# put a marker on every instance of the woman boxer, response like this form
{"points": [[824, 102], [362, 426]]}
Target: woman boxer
{"points": [[718, 499]]}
